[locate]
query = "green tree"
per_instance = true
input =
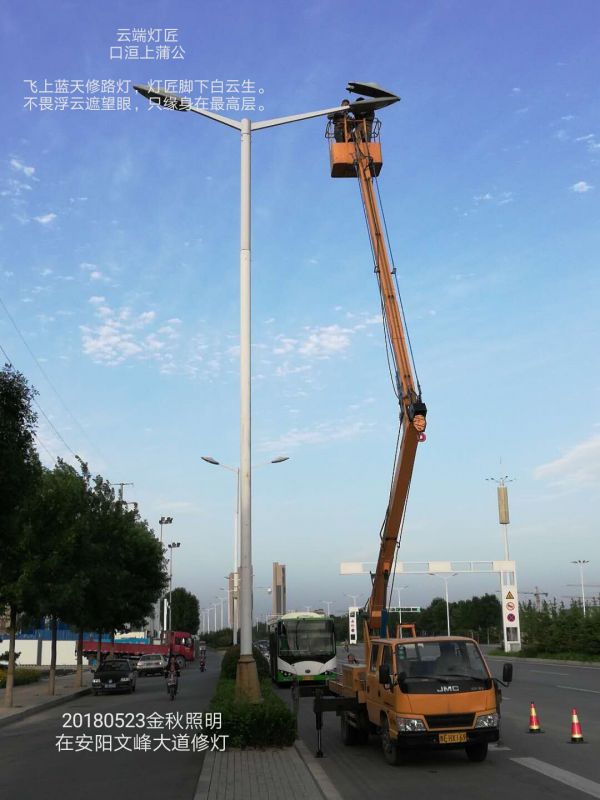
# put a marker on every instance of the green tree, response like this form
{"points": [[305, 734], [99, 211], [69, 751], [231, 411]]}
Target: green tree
{"points": [[19, 473], [53, 575], [185, 612]]}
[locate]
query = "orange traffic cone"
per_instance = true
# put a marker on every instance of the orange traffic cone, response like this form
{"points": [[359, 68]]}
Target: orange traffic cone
{"points": [[534, 723], [576, 734]]}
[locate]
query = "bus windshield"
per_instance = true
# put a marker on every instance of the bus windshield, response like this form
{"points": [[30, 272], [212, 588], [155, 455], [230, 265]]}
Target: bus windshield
{"points": [[439, 659], [306, 639]]}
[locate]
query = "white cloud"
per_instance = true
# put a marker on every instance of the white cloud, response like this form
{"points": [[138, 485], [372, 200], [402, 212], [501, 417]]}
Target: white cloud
{"points": [[580, 187], [122, 335], [578, 468], [46, 219], [325, 341], [96, 275], [18, 165], [321, 433], [284, 345]]}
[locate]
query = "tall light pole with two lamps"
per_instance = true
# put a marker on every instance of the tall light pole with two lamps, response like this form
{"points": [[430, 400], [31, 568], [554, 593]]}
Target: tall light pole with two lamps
{"points": [[581, 562], [247, 684], [172, 546], [162, 521], [234, 592], [445, 578]]}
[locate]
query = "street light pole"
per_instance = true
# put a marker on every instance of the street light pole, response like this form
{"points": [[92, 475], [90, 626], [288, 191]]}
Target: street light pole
{"points": [[581, 563], [247, 684], [446, 578], [328, 604], [235, 598], [172, 546], [399, 590], [162, 521]]}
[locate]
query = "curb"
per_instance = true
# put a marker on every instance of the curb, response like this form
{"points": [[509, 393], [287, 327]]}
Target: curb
{"points": [[205, 777], [320, 777], [29, 712]]}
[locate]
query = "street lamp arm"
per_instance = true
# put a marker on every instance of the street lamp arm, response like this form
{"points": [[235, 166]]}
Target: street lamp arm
{"points": [[271, 123], [177, 103], [364, 104]]}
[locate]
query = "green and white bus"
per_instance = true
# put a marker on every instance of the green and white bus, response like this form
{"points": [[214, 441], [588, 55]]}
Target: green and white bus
{"points": [[302, 647]]}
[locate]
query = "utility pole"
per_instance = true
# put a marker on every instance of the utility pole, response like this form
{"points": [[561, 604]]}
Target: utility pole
{"points": [[121, 484]]}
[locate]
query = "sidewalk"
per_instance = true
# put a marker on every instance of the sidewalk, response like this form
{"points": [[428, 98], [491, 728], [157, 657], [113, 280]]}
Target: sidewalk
{"points": [[33, 697], [290, 773]]}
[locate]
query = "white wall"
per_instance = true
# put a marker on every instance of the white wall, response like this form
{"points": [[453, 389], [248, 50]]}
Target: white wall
{"points": [[65, 653]]}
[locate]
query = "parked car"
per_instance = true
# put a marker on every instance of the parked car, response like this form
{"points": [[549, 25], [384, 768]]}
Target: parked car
{"points": [[115, 675], [151, 664]]}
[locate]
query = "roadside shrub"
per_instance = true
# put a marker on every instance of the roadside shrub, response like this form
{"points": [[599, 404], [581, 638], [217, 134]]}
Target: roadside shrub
{"points": [[4, 656], [231, 658], [22, 676], [219, 639], [266, 724]]}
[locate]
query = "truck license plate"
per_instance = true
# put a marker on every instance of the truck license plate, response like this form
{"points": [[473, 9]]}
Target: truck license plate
{"points": [[452, 738]]}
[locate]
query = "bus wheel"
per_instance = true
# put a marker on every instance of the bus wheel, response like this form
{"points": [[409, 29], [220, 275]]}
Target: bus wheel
{"points": [[391, 751], [348, 731], [181, 662], [477, 752]]}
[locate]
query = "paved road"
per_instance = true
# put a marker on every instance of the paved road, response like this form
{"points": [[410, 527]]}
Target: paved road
{"points": [[32, 767], [531, 767]]}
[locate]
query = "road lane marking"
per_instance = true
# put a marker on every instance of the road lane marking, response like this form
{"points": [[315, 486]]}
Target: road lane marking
{"points": [[547, 672], [576, 689], [569, 778]]}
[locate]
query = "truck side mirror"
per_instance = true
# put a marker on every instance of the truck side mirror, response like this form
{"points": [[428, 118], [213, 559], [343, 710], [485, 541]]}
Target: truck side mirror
{"points": [[384, 674], [507, 673]]}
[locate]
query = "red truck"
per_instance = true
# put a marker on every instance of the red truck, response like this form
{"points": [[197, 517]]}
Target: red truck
{"points": [[178, 643]]}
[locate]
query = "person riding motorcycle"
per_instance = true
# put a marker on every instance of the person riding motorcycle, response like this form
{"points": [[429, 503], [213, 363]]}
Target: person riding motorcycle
{"points": [[172, 671]]}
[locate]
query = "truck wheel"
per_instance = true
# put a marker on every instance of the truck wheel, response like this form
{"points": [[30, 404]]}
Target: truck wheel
{"points": [[347, 731], [180, 661], [477, 752], [391, 751]]}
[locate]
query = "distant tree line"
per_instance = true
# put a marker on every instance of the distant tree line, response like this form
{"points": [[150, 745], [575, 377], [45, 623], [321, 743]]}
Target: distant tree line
{"points": [[557, 630], [69, 549], [480, 618]]}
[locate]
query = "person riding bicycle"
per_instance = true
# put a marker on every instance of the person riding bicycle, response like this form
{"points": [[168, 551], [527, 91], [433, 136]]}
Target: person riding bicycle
{"points": [[172, 672]]}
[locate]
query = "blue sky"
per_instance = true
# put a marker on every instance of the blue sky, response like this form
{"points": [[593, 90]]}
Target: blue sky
{"points": [[119, 266]]}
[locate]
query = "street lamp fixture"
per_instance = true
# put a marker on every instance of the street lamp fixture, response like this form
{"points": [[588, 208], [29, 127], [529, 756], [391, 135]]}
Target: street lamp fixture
{"points": [[247, 684]]}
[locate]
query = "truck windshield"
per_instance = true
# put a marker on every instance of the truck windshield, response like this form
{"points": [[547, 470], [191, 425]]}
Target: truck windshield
{"points": [[440, 659], [306, 639]]}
